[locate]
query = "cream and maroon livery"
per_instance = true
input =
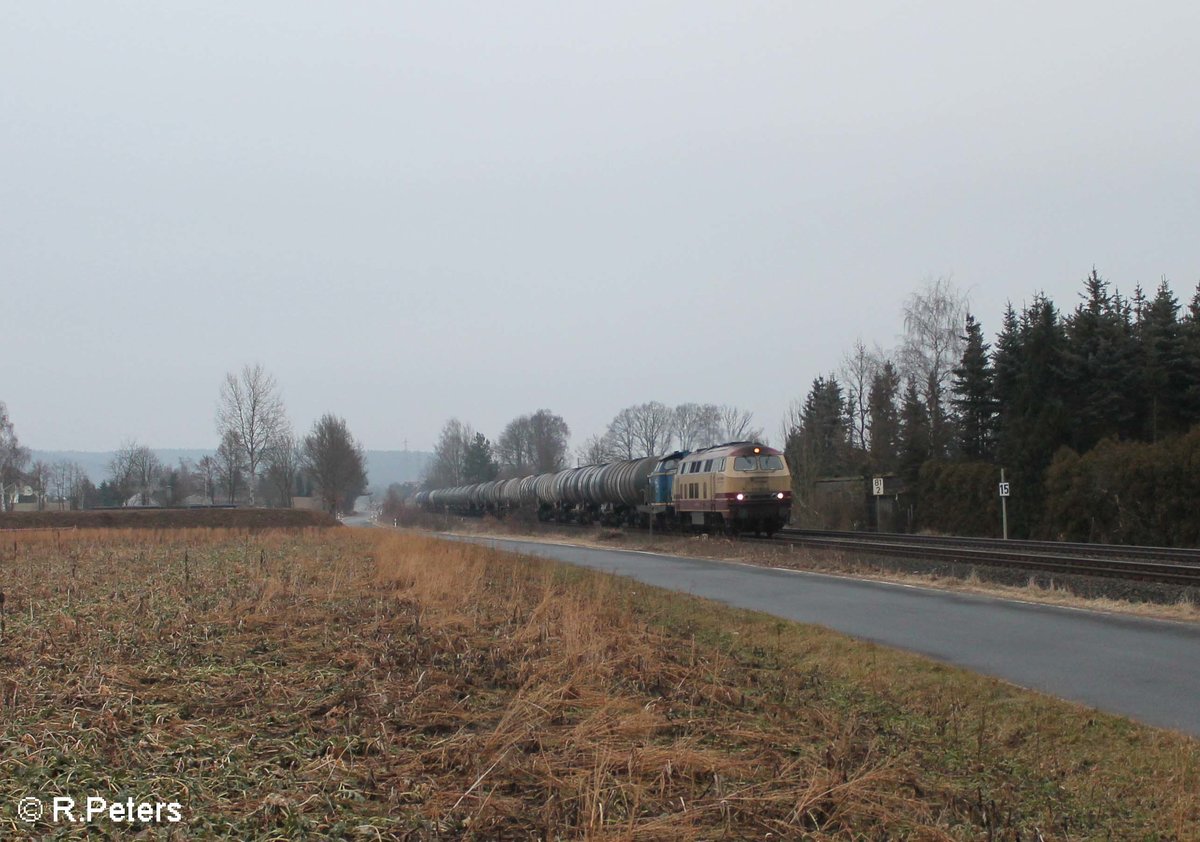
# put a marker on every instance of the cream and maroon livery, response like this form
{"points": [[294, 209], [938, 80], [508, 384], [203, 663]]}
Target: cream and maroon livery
{"points": [[739, 487], [743, 487]]}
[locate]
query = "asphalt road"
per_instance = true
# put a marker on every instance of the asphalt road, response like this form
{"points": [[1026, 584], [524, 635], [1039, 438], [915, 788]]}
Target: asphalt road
{"points": [[1145, 669], [358, 520]]}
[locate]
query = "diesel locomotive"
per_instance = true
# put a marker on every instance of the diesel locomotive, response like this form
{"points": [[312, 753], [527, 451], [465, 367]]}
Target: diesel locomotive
{"points": [[740, 486]]}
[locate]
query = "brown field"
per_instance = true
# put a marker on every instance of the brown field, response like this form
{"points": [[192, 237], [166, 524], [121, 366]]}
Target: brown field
{"points": [[379, 685], [167, 519]]}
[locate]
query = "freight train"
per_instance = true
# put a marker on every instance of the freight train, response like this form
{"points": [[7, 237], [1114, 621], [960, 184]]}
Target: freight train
{"points": [[740, 486]]}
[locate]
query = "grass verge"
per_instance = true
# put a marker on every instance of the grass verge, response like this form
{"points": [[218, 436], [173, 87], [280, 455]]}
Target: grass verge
{"points": [[1110, 595]]}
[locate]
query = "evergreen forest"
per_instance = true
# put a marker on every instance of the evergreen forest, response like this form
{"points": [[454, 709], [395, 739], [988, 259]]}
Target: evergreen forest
{"points": [[1093, 415]]}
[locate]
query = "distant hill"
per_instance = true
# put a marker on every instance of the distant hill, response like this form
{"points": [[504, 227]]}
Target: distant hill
{"points": [[383, 466], [387, 466]]}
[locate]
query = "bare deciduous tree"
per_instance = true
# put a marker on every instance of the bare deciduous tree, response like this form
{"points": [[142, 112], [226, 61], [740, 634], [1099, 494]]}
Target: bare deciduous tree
{"points": [[696, 425], [736, 425], [61, 473], [533, 444], [336, 462], [514, 449], [932, 347], [858, 372], [596, 450], [146, 471], [251, 409], [652, 428], [283, 465], [135, 470], [622, 434], [550, 437], [450, 455], [40, 476], [68, 483], [179, 482], [642, 430], [13, 457], [207, 470], [230, 465]]}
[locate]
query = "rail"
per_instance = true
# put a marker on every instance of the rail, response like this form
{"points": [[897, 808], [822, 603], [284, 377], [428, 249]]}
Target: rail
{"points": [[1043, 547], [1157, 564]]}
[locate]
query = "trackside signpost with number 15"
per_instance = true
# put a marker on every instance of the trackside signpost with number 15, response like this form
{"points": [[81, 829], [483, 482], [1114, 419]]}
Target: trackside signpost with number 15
{"points": [[1004, 504]]}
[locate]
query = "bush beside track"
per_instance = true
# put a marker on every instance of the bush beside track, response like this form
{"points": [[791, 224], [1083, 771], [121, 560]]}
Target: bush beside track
{"points": [[254, 519]]}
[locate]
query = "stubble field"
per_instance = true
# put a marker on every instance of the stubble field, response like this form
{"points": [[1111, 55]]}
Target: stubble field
{"points": [[369, 684]]}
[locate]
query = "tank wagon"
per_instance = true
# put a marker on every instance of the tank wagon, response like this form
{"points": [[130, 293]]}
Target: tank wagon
{"points": [[736, 487]]}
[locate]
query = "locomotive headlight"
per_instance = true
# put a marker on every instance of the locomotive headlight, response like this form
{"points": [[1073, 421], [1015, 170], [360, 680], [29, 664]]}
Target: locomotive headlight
{"points": [[741, 496], [780, 495]]}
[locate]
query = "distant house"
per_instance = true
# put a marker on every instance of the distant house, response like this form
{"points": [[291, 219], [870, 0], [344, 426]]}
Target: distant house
{"points": [[21, 498], [26, 502], [154, 498]]}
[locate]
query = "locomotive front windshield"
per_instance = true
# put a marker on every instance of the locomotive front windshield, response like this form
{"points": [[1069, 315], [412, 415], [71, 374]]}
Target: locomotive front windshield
{"points": [[758, 463]]}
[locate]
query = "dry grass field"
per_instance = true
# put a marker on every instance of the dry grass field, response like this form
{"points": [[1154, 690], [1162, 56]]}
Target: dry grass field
{"points": [[138, 518], [382, 685]]}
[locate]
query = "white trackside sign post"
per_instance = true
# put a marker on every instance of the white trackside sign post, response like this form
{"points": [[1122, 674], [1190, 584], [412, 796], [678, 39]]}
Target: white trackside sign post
{"points": [[877, 490], [1004, 504]]}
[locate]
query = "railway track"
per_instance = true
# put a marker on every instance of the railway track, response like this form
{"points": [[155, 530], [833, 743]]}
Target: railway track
{"points": [[1152, 564], [1165, 565]]}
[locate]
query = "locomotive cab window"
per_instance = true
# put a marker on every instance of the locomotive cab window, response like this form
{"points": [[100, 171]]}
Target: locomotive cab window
{"points": [[708, 466], [758, 463]]}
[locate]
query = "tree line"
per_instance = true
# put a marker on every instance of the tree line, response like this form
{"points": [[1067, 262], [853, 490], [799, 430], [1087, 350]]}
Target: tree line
{"points": [[538, 442], [1114, 383], [260, 459]]}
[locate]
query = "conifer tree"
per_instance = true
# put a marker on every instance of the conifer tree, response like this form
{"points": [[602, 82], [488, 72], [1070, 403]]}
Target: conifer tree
{"points": [[1035, 422], [884, 419], [479, 464], [826, 428], [1098, 367], [1006, 379], [914, 434], [1190, 332], [973, 397], [1165, 377]]}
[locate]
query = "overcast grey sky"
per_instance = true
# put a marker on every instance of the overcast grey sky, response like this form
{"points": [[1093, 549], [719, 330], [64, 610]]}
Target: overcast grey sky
{"points": [[408, 212]]}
